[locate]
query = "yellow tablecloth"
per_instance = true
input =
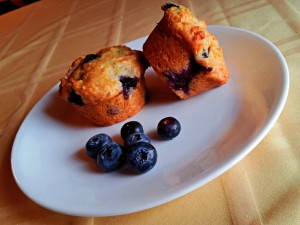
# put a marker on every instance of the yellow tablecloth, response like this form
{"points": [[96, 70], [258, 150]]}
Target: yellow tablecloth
{"points": [[39, 41]]}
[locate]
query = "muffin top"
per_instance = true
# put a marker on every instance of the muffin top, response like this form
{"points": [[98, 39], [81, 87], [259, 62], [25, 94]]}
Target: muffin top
{"points": [[102, 75], [186, 27]]}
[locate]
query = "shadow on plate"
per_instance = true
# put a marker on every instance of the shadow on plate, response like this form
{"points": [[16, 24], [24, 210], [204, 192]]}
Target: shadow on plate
{"points": [[159, 92], [90, 163]]}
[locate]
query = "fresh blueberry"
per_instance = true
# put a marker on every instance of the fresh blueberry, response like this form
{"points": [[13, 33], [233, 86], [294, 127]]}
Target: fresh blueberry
{"points": [[89, 57], [130, 128], [111, 157], [168, 128], [134, 138], [75, 98], [95, 143], [128, 84], [141, 157]]}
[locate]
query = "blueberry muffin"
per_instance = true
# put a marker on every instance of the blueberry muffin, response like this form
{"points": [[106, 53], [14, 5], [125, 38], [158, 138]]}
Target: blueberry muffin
{"points": [[106, 87], [184, 54]]}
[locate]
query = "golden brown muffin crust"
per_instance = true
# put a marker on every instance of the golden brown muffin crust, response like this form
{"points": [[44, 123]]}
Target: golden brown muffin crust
{"points": [[180, 42], [108, 86]]}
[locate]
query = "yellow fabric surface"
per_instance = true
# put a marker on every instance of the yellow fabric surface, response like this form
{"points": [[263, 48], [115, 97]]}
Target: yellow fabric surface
{"points": [[37, 44]]}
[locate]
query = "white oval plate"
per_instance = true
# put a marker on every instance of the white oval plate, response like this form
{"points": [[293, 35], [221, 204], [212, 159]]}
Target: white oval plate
{"points": [[219, 128]]}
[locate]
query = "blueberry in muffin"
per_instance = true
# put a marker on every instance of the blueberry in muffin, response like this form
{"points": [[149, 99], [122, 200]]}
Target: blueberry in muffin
{"points": [[184, 54], [107, 86]]}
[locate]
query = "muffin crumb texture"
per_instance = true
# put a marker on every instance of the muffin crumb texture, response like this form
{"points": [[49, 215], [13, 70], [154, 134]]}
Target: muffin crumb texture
{"points": [[107, 86], [184, 54]]}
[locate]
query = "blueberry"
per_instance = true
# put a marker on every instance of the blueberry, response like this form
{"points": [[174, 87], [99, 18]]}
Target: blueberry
{"points": [[204, 53], [130, 128], [128, 84], [75, 98], [89, 57], [169, 5], [141, 157], [134, 138], [95, 143], [114, 110], [181, 80], [195, 67], [111, 157], [168, 128]]}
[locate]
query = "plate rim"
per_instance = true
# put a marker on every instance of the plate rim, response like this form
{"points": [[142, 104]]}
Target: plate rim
{"points": [[267, 125]]}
